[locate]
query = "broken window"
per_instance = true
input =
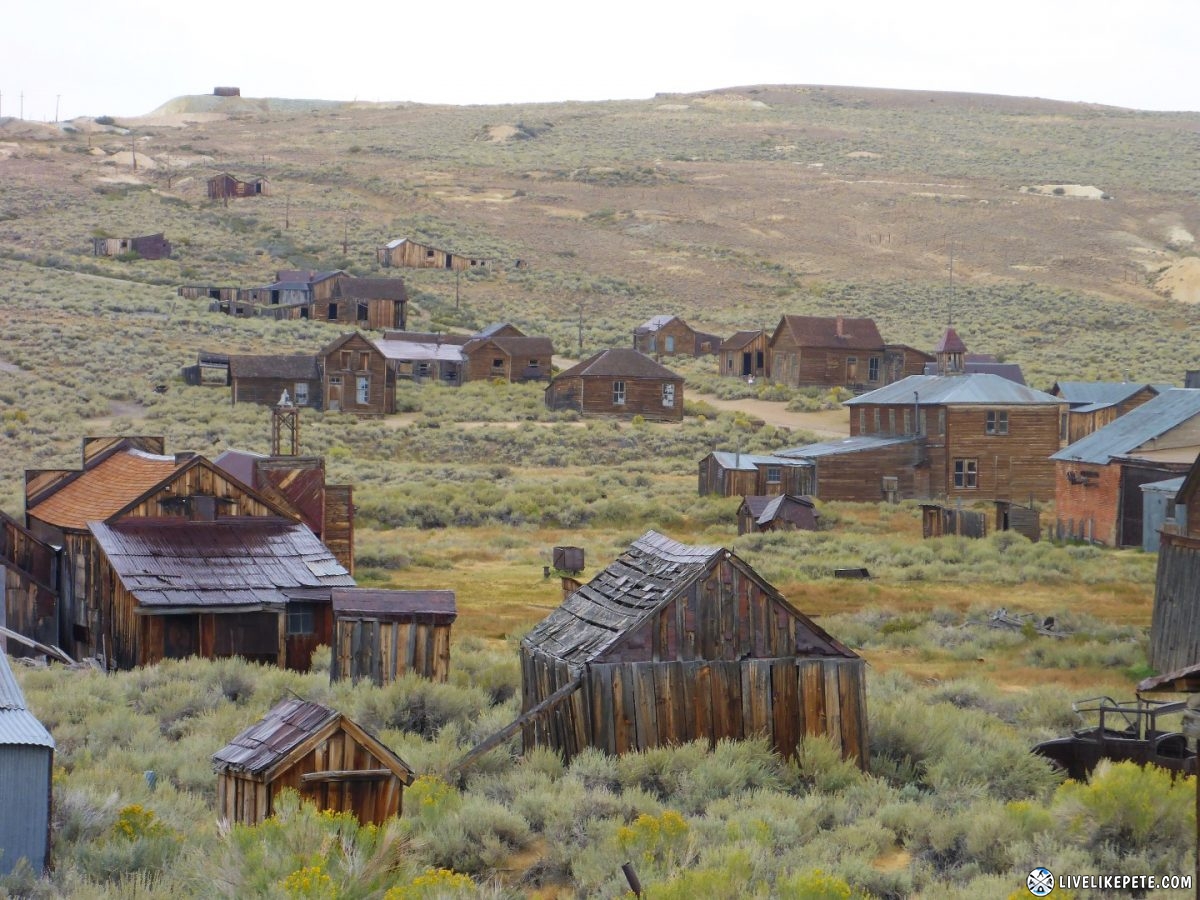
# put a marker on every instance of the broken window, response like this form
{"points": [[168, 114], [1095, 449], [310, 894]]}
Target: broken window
{"points": [[966, 474], [668, 394], [618, 393]]}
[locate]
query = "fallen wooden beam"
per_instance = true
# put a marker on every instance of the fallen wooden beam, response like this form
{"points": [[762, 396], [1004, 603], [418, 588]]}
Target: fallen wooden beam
{"points": [[55, 652]]}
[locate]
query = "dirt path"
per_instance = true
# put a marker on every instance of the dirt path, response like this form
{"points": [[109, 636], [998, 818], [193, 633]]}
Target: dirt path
{"points": [[830, 423]]}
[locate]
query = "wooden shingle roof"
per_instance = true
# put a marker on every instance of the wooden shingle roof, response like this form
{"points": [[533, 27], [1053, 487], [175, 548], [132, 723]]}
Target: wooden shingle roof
{"points": [[291, 368], [620, 362], [105, 488], [843, 332]]}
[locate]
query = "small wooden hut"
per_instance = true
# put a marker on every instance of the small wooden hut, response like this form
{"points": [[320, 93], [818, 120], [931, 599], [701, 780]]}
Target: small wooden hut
{"points": [[673, 643], [316, 751], [384, 634], [782, 512]]}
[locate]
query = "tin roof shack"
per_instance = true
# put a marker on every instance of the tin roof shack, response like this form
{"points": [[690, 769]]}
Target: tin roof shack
{"points": [[254, 587], [383, 635], [403, 252], [983, 435], [356, 377], [671, 336], [784, 512], [673, 643], [742, 474], [619, 382], [1099, 478], [227, 187], [827, 351], [26, 768], [315, 751], [29, 570], [263, 379], [864, 469], [422, 357], [1159, 510], [148, 246], [512, 359], [1094, 404], [744, 355]]}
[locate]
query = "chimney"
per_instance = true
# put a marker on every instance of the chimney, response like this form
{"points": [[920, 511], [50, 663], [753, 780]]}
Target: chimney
{"points": [[841, 327], [184, 456]]}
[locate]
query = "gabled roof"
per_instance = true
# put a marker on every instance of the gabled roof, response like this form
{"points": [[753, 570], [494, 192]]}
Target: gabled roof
{"points": [[351, 288], [950, 343], [18, 726], [497, 327], [514, 346], [857, 444], [419, 350], [823, 331], [377, 603], [937, 390], [106, 488], [620, 362], [739, 340], [343, 340], [1136, 428], [241, 464], [245, 562], [764, 509], [307, 277], [292, 368], [288, 728], [654, 323], [653, 572], [1099, 394], [748, 462], [428, 337]]}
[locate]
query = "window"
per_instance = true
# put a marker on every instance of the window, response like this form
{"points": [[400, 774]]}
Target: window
{"points": [[891, 421], [1062, 427], [922, 427], [873, 369], [301, 393], [670, 343], [429, 254], [332, 315], [653, 345], [364, 362], [497, 364], [908, 421], [345, 358], [774, 475], [301, 619], [942, 421], [966, 474], [668, 394], [335, 379], [862, 421], [876, 418], [533, 364], [997, 421], [364, 390], [851, 369], [729, 364], [618, 393], [362, 312]]}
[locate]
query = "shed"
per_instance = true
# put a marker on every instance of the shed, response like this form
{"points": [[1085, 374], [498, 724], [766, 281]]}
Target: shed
{"points": [[938, 521], [1026, 520], [405, 252], [316, 751], [744, 355], [386, 634], [730, 474], [783, 512], [225, 186], [673, 643], [1159, 510], [27, 754], [621, 382]]}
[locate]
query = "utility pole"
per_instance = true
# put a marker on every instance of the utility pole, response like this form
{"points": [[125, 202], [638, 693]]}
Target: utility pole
{"points": [[346, 235], [133, 150], [581, 328], [22, 115], [287, 211], [457, 274], [57, 97]]}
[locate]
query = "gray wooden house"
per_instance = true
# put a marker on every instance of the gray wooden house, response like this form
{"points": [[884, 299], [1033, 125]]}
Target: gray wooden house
{"points": [[26, 767], [383, 635], [673, 643]]}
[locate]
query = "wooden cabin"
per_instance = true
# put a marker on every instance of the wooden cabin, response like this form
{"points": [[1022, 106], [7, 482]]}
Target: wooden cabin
{"points": [[148, 246], [783, 512], [378, 303], [862, 469], [26, 773], [422, 358], [227, 187], [728, 474], [827, 351], [413, 255], [512, 359], [619, 382], [1175, 623], [674, 643], [316, 751], [745, 355], [671, 336], [978, 435], [383, 635], [263, 379], [1093, 404], [355, 377], [1098, 479]]}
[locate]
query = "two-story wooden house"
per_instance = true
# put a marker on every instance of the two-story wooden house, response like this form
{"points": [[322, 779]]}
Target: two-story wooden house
{"points": [[355, 375], [1094, 404]]}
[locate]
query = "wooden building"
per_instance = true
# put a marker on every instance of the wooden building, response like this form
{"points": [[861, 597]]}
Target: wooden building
{"points": [[29, 572], [512, 359], [745, 355], [413, 255], [355, 377], [783, 512], [325, 757], [978, 436], [422, 358], [1175, 623], [263, 379], [941, 521], [226, 187], [863, 469], [1093, 404], [728, 474], [1023, 519], [674, 643], [383, 635], [378, 303], [671, 336], [1160, 512], [1098, 479], [619, 382], [827, 351], [26, 772], [148, 246]]}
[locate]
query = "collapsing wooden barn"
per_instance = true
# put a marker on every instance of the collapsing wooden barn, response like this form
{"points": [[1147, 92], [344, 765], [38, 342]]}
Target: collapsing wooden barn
{"points": [[315, 751], [673, 643], [383, 635]]}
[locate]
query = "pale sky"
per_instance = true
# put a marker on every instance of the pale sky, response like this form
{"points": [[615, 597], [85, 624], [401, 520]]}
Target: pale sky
{"points": [[124, 58]]}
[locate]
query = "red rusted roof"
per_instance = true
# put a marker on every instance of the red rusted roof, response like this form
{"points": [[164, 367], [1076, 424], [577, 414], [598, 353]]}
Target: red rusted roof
{"points": [[376, 603], [105, 488], [950, 343]]}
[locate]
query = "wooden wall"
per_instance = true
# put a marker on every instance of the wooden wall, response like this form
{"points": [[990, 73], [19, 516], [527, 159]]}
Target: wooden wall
{"points": [[593, 396], [382, 651], [357, 357], [338, 535], [654, 343], [421, 256], [823, 366], [714, 479], [734, 363], [858, 477], [266, 391], [1175, 625]]}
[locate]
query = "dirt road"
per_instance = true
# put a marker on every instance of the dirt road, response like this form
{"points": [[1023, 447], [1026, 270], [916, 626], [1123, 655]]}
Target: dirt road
{"points": [[832, 423]]}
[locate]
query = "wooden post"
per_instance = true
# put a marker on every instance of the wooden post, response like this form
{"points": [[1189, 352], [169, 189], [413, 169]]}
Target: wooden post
{"points": [[631, 876]]}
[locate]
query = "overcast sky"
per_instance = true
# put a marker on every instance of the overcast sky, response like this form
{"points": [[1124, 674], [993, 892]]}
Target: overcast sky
{"points": [[125, 58]]}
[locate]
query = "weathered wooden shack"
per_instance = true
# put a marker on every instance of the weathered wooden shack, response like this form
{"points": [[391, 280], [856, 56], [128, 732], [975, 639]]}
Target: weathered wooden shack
{"points": [[619, 382], [863, 468], [1098, 479], [727, 474], [1160, 511], [382, 635], [1022, 519], [674, 643], [355, 375], [745, 355], [29, 570], [414, 255], [671, 336], [26, 770], [1175, 623], [263, 379], [1094, 404], [227, 187], [421, 358], [827, 351], [939, 521], [512, 359], [316, 751], [378, 303], [783, 512], [147, 246]]}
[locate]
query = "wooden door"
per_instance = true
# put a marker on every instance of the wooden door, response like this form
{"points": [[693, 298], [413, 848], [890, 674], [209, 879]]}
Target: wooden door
{"points": [[181, 636]]}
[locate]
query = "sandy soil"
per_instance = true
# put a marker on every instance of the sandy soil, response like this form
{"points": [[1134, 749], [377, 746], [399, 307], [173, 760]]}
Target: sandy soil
{"points": [[831, 423], [1181, 281]]}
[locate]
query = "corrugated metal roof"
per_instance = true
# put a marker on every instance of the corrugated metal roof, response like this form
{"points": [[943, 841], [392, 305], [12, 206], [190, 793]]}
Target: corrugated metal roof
{"points": [[1134, 429], [230, 562], [384, 604], [845, 445], [653, 324], [420, 351], [1169, 486], [748, 462], [1011, 371], [105, 488], [497, 327], [936, 390], [620, 362], [1095, 394], [17, 724]]}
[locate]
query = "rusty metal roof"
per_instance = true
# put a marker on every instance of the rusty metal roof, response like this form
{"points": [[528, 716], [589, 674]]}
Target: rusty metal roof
{"points": [[105, 488], [748, 462], [376, 603], [620, 362], [950, 343], [245, 562]]}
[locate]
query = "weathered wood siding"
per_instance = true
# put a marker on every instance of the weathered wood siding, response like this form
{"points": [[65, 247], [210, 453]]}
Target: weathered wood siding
{"points": [[1175, 624], [267, 391], [354, 359], [338, 534], [823, 366], [753, 358], [676, 338], [716, 479], [858, 477], [421, 256], [593, 396], [382, 651]]}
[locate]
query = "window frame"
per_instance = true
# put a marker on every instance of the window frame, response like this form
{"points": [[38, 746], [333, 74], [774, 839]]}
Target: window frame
{"points": [[301, 619], [668, 395], [996, 422], [362, 390], [966, 473], [618, 393], [774, 475], [873, 368]]}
